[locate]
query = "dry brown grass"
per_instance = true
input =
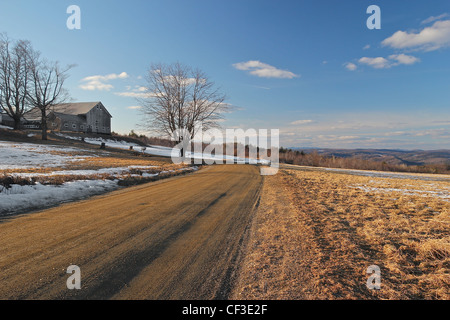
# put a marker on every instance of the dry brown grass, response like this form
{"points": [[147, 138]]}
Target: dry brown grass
{"points": [[85, 161], [96, 163], [316, 233]]}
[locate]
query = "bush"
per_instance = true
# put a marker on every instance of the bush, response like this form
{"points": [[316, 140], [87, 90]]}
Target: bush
{"points": [[6, 182]]}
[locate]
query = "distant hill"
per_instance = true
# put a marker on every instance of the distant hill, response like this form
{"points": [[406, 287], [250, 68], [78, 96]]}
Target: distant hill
{"points": [[394, 157]]}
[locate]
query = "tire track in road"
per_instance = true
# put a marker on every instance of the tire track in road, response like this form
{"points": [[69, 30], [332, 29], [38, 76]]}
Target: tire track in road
{"points": [[175, 239]]}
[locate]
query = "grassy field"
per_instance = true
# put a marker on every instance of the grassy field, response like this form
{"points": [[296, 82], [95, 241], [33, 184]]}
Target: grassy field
{"points": [[315, 234]]}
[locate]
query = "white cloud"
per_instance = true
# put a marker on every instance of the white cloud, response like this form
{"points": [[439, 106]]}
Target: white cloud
{"points": [[350, 66], [264, 70], [299, 122], [434, 18], [377, 63], [140, 89], [370, 130], [366, 47], [261, 87], [396, 133], [392, 61], [134, 107], [182, 80], [404, 59], [136, 92], [428, 39], [99, 82], [132, 94], [348, 137]]}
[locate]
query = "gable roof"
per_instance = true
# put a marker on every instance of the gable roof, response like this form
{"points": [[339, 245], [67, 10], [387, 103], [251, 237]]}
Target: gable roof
{"points": [[71, 108], [74, 108], [33, 115]]}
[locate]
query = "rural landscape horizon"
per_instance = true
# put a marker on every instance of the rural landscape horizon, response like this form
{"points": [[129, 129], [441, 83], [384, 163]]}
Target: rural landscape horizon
{"points": [[316, 71], [225, 155]]}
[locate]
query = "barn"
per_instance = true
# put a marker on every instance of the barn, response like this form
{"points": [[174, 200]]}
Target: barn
{"points": [[6, 120], [89, 117]]}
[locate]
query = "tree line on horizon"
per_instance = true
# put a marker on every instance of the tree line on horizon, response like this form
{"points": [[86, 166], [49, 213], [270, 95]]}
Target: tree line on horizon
{"points": [[314, 159]]}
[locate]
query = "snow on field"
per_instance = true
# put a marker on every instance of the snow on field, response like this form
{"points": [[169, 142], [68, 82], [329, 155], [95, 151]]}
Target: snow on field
{"points": [[396, 175], [377, 174], [19, 198], [27, 197], [5, 127], [443, 194], [167, 152], [28, 155], [108, 171], [120, 144], [158, 150]]}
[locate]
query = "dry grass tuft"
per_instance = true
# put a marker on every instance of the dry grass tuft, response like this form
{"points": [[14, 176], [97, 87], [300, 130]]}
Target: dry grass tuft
{"points": [[132, 176], [316, 233]]}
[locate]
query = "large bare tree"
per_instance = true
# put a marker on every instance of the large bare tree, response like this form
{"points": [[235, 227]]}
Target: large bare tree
{"points": [[180, 100], [14, 77], [46, 90]]}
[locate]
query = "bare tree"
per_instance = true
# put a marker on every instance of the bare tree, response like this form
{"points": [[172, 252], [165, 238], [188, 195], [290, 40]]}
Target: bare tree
{"points": [[14, 78], [47, 90], [179, 100]]}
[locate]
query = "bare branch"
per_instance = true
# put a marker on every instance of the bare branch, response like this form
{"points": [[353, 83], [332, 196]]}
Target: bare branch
{"points": [[14, 77], [181, 98], [47, 91]]}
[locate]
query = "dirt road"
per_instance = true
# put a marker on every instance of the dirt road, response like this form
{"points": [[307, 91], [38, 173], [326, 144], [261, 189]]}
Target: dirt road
{"points": [[178, 238]]}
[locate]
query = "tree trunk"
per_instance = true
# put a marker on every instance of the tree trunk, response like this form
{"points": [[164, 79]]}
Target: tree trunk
{"points": [[16, 124], [44, 124]]}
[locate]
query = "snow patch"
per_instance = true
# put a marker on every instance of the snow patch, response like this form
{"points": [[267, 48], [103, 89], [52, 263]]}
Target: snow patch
{"points": [[19, 198], [28, 155], [162, 151], [443, 194], [396, 175]]}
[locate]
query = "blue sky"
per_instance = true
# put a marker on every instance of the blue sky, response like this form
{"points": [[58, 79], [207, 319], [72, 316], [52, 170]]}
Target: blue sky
{"points": [[309, 68]]}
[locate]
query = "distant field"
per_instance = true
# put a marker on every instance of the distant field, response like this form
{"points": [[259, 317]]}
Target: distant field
{"points": [[316, 233], [396, 157]]}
